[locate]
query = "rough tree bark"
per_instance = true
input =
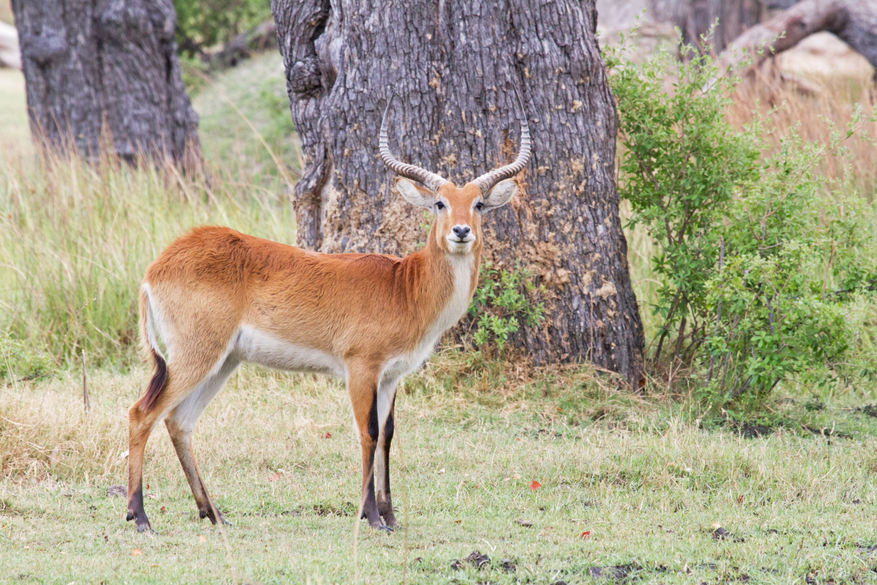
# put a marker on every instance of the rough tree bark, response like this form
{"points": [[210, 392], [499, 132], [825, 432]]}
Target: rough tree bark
{"points": [[93, 67], [458, 66], [853, 21]]}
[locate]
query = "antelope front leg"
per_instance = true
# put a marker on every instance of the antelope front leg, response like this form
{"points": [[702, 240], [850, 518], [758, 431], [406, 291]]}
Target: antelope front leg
{"points": [[362, 385], [386, 403]]}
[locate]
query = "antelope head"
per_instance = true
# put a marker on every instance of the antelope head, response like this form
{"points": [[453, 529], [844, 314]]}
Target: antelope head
{"points": [[458, 210]]}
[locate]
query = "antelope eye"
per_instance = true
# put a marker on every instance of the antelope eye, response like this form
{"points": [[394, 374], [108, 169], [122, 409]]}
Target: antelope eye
{"points": [[439, 205], [479, 206]]}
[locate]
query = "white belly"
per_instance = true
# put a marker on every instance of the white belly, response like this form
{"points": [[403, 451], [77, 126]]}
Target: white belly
{"points": [[253, 345]]}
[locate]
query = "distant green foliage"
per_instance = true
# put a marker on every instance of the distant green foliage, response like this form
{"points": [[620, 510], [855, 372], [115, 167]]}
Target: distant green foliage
{"points": [[765, 270], [501, 302], [75, 240], [275, 101], [19, 361], [204, 23]]}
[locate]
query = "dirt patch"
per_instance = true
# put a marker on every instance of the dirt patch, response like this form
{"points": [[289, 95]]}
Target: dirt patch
{"points": [[754, 431], [827, 432], [615, 573], [345, 509], [723, 534], [869, 410]]}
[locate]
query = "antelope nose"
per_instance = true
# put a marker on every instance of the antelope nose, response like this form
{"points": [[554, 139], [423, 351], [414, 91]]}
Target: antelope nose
{"points": [[461, 231]]}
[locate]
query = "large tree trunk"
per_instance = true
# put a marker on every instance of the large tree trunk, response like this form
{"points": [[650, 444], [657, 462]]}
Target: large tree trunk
{"points": [[695, 18], [99, 70], [853, 21], [458, 66]]}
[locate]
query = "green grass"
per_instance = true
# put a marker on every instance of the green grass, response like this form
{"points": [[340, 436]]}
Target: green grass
{"points": [[648, 486], [238, 109], [75, 240]]}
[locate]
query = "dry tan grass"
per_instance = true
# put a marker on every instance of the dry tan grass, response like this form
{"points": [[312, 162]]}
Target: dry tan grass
{"points": [[825, 104]]}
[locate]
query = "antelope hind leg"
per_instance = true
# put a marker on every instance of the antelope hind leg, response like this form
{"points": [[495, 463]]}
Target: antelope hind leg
{"points": [[140, 425], [180, 423]]}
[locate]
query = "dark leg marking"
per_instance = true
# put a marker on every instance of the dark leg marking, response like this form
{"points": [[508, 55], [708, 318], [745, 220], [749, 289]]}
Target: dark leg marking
{"points": [[373, 427], [384, 500], [136, 511], [369, 505]]}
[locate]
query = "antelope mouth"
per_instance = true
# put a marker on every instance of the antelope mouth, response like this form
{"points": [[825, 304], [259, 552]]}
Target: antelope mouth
{"points": [[460, 245]]}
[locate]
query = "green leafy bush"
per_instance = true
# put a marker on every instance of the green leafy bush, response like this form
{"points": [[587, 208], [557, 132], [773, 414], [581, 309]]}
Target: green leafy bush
{"points": [[792, 296], [764, 268], [502, 300], [204, 23], [21, 362]]}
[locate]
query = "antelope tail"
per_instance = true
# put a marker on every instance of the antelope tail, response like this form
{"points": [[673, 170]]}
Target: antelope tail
{"points": [[150, 350]]}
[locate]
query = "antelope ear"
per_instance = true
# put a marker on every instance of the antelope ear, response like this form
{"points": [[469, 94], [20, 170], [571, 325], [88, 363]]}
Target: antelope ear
{"points": [[415, 194], [500, 194]]}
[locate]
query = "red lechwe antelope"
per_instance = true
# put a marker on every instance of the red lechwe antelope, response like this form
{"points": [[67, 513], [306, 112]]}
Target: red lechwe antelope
{"points": [[217, 298]]}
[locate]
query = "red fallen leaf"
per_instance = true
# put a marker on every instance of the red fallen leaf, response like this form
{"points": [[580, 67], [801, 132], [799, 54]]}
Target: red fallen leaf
{"points": [[535, 485], [163, 509], [327, 435], [585, 534], [739, 499], [274, 477]]}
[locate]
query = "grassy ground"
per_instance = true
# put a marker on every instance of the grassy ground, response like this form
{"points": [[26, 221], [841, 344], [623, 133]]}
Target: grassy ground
{"points": [[244, 118], [644, 484], [628, 488]]}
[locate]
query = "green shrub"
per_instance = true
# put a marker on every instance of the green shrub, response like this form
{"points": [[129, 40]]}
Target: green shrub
{"points": [[20, 362], [764, 268], [792, 295], [680, 168], [202, 24], [502, 300]]}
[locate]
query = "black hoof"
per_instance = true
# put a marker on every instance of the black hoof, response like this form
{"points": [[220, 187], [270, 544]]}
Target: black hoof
{"points": [[129, 516], [383, 527], [213, 517]]}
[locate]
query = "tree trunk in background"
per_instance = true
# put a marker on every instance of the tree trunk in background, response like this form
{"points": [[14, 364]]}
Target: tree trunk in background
{"points": [[695, 17], [457, 66], [111, 66], [853, 21]]}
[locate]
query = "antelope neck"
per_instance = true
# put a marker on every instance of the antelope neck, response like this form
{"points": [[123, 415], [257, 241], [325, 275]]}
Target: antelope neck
{"points": [[441, 285]]}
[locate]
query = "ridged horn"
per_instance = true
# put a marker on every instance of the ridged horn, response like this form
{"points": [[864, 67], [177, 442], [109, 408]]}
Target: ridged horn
{"points": [[432, 181], [486, 181]]}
